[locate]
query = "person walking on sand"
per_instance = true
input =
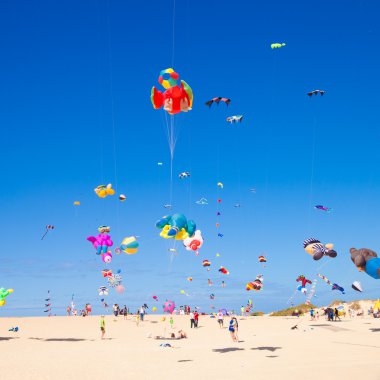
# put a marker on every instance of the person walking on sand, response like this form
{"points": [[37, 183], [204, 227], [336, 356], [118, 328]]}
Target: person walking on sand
{"points": [[196, 318], [192, 320], [336, 312], [102, 326], [125, 312], [142, 312], [220, 319], [236, 329], [231, 329]]}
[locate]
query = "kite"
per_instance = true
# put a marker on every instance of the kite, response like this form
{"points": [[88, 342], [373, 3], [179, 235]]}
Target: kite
{"points": [[277, 45], [212, 296], [102, 241], [168, 207], [315, 248], [316, 92], [183, 175], [202, 201], [107, 272], [217, 101], [122, 197], [4, 293], [190, 279], [48, 228], [206, 263], [129, 245], [235, 119], [366, 261], [220, 235], [103, 291], [114, 280], [176, 226], [356, 285], [254, 285], [302, 288], [220, 184], [217, 254], [155, 298], [175, 98], [323, 208], [237, 205], [159, 163], [223, 284], [76, 203], [103, 190], [252, 190], [195, 242], [262, 260], [106, 257], [209, 282], [223, 270], [333, 286], [168, 307], [172, 250]]}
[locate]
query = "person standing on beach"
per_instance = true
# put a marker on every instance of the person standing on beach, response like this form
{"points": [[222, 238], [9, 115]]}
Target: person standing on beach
{"points": [[171, 321], [192, 320], [220, 319], [142, 312], [196, 318], [236, 329], [242, 309], [102, 326], [231, 329], [336, 312], [68, 311]]}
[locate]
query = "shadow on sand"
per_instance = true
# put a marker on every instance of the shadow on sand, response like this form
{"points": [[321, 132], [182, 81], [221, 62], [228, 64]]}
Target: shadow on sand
{"points": [[184, 361], [375, 330], [8, 338], [271, 349], [65, 339], [228, 349]]}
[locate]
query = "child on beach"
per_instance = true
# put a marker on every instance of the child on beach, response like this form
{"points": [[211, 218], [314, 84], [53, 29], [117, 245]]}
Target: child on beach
{"points": [[102, 326], [220, 319], [137, 319], [171, 321]]}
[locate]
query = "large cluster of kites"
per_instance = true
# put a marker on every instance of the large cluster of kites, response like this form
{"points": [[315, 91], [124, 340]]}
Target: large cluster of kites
{"points": [[175, 97]]}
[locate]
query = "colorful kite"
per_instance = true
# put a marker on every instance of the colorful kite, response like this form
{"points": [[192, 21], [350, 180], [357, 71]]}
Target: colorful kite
{"points": [[235, 119], [223, 270], [217, 101], [122, 197], [184, 175], [103, 291], [316, 92], [315, 248], [103, 190], [202, 201], [333, 286], [323, 208], [168, 307], [277, 45], [102, 241], [195, 242], [356, 285], [4, 293], [176, 226], [176, 98], [129, 245]]}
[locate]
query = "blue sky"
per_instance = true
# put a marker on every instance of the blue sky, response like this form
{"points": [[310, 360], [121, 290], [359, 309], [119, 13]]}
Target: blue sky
{"points": [[76, 113]]}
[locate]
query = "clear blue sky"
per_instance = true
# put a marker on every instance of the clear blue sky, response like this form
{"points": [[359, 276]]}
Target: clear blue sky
{"points": [[75, 113]]}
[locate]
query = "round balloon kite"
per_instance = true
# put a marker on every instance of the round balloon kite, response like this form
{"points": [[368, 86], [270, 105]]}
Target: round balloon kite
{"points": [[129, 245], [169, 307]]}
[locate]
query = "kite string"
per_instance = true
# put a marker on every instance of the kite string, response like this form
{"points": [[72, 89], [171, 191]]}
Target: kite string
{"points": [[173, 32]]}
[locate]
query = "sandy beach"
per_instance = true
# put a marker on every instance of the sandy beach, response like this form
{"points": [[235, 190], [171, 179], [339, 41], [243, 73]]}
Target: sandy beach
{"points": [[71, 348]]}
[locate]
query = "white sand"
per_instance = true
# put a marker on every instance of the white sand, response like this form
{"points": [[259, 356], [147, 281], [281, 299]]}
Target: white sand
{"points": [[70, 348]]}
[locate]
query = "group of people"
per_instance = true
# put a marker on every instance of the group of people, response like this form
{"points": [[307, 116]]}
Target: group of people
{"points": [[332, 314], [194, 318], [117, 311]]}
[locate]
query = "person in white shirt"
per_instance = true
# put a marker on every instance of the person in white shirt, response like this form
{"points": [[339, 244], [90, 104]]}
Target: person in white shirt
{"points": [[220, 319], [192, 320]]}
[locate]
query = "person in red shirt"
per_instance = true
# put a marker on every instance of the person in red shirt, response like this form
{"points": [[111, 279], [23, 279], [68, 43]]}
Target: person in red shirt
{"points": [[196, 317]]}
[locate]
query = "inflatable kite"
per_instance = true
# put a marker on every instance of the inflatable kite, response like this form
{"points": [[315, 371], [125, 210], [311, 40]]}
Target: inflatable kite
{"points": [[262, 259], [316, 92], [107, 272], [129, 245], [254, 285], [168, 307], [76, 203], [122, 197], [366, 261], [235, 119], [190, 279], [277, 45], [176, 98], [107, 257], [206, 263], [315, 248], [176, 226], [4, 293], [114, 281], [220, 184], [223, 270], [155, 298], [333, 286], [102, 241], [48, 228], [202, 201], [356, 285], [217, 101], [303, 280], [103, 190], [195, 242], [103, 291]]}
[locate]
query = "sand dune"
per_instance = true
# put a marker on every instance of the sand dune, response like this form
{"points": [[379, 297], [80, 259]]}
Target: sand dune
{"points": [[70, 348]]}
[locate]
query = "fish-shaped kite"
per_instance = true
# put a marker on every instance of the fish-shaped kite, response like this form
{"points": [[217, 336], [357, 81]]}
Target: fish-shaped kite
{"points": [[223, 270]]}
